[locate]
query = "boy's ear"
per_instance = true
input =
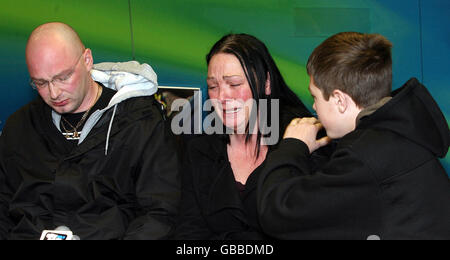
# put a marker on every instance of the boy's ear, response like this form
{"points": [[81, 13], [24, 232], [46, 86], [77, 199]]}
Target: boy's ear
{"points": [[341, 100]]}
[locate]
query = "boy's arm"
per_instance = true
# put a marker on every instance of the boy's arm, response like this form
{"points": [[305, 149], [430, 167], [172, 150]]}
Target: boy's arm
{"points": [[339, 201]]}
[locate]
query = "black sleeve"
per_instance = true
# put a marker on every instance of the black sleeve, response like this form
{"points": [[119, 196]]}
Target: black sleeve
{"points": [[337, 202], [157, 187], [190, 224], [5, 194]]}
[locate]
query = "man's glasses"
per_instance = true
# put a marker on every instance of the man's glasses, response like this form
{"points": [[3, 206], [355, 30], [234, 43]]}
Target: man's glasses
{"points": [[61, 78]]}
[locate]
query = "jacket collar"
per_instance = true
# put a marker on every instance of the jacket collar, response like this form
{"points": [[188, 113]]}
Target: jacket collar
{"points": [[100, 132], [42, 116]]}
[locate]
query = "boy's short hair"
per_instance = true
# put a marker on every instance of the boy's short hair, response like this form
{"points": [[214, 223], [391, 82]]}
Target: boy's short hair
{"points": [[358, 64]]}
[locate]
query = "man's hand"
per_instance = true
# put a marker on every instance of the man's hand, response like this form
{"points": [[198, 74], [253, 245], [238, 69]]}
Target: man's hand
{"points": [[305, 130]]}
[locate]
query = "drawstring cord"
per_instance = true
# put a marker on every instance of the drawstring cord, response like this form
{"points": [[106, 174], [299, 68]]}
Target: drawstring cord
{"points": [[109, 130]]}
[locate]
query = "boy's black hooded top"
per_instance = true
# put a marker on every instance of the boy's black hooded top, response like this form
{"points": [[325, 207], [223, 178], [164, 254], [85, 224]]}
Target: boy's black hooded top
{"points": [[384, 179]]}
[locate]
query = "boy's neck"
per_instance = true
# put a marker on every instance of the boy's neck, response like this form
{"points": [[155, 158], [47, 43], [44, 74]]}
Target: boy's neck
{"points": [[371, 109]]}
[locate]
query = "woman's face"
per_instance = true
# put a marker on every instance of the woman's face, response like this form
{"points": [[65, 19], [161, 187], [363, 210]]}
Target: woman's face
{"points": [[230, 91]]}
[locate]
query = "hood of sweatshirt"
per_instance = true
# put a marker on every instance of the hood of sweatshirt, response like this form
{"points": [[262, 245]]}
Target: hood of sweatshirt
{"points": [[414, 114], [130, 79]]}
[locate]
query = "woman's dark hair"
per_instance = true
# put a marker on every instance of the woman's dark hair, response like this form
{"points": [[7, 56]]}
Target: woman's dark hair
{"points": [[258, 66]]}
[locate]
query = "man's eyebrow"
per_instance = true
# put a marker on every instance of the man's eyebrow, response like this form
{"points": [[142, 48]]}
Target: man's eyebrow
{"points": [[35, 79], [57, 75], [67, 71]]}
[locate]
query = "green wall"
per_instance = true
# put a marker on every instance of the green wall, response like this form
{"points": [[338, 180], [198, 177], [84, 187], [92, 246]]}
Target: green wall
{"points": [[174, 36]]}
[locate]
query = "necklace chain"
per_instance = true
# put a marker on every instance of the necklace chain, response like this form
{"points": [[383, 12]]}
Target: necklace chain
{"points": [[71, 135]]}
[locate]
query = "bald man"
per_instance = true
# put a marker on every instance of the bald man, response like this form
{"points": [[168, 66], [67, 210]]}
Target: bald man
{"points": [[98, 160], [54, 51]]}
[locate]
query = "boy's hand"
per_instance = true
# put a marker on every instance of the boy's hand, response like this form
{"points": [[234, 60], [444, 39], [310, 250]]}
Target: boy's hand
{"points": [[305, 130]]}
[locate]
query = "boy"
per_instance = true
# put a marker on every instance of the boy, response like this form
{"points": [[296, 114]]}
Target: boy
{"points": [[384, 180]]}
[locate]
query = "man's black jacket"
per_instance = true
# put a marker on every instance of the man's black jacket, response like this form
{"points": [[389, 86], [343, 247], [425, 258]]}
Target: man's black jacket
{"points": [[132, 192]]}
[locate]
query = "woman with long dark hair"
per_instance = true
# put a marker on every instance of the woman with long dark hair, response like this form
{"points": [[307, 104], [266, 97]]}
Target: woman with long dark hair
{"points": [[220, 171]]}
